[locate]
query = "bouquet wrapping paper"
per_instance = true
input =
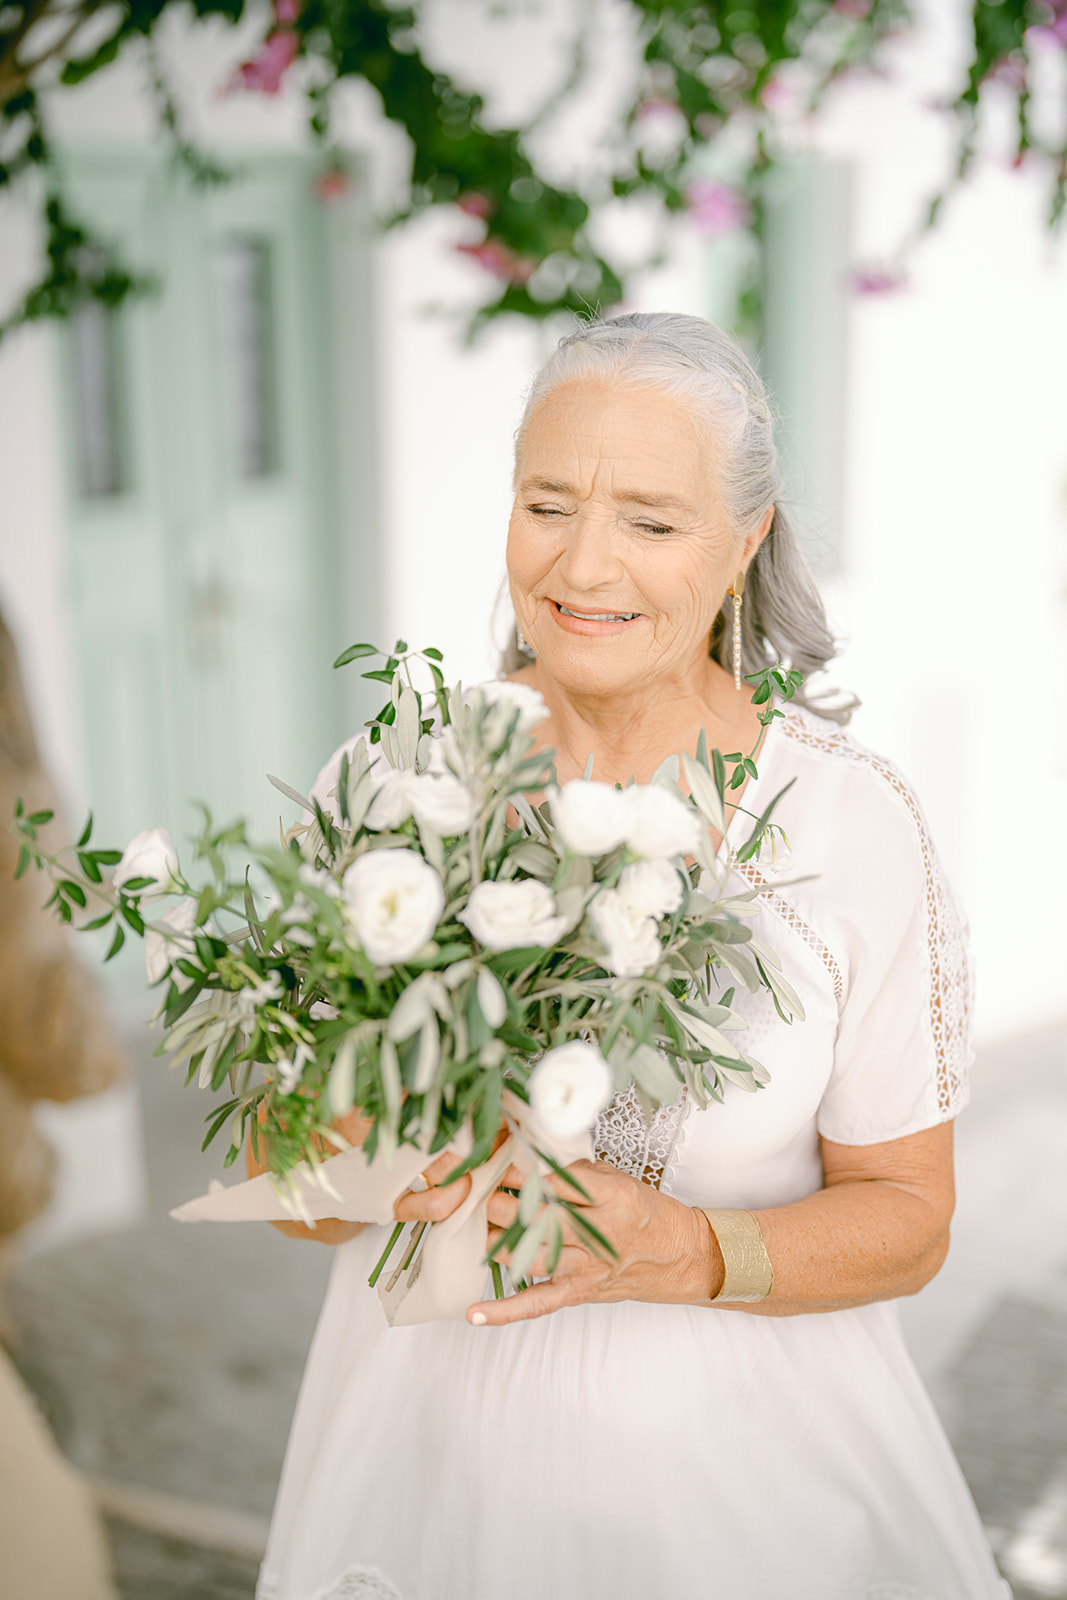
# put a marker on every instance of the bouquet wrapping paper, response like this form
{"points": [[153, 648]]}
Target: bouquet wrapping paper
{"points": [[452, 1274]]}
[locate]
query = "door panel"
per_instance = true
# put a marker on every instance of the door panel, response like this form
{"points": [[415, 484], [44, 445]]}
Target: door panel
{"points": [[202, 558]]}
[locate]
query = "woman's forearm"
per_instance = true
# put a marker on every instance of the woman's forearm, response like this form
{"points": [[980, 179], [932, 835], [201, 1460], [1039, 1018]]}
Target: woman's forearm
{"points": [[848, 1246], [863, 1237]]}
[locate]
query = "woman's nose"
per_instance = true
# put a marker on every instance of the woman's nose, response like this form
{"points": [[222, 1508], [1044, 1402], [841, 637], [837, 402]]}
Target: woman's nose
{"points": [[590, 558]]}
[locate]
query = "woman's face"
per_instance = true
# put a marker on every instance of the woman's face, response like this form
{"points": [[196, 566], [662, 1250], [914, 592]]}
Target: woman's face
{"points": [[619, 549]]}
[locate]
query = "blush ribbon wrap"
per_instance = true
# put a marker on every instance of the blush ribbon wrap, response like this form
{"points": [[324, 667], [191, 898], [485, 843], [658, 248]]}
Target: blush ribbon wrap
{"points": [[452, 1275]]}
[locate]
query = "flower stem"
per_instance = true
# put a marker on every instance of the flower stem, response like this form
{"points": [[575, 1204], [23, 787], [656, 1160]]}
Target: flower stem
{"points": [[498, 1281], [386, 1253]]}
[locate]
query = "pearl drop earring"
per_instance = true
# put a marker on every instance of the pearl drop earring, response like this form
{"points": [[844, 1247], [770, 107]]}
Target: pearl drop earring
{"points": [[737, 591]]}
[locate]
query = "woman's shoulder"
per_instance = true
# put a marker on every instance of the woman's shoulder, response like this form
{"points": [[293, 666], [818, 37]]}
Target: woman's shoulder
{"points": [[851, 814], [827, 756]]}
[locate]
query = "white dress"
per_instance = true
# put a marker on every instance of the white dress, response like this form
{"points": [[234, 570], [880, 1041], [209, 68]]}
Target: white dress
{"points": [[663, 1452]]}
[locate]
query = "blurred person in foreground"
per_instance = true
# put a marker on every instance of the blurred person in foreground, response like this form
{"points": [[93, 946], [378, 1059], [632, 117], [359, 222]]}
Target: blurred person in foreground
{"points": [[727, 1408], [55, 1044]]}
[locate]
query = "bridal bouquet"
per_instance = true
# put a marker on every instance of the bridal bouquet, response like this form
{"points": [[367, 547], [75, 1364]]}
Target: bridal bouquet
{"points": [[470, 969]]}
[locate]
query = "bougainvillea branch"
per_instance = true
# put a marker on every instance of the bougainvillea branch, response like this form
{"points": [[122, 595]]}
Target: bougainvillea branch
{"points": [[701, 70]]}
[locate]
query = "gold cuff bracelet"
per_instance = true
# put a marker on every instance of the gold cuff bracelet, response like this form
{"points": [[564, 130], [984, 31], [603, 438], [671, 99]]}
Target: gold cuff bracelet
{"points": [[749, 1275]]}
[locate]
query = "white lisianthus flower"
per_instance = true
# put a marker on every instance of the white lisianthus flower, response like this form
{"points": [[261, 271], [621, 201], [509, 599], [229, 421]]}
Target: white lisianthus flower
{"points": [[630, 939], [439, 801], [651, 888], [150, 855], [592, 819], [169, 939], [392, 899], [513, 914], [568, 1089], [660, 823], [512, 697]]}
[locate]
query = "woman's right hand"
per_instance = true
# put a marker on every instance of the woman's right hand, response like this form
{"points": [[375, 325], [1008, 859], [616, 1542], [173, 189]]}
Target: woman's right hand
{"points": [[434, 1204]]}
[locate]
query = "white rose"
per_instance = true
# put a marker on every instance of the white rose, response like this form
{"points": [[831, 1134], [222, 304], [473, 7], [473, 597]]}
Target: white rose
{"points": [[512, 697], [329, 779], [436, 800], [630, 939], [150, 855], [511, 915], [651, 888], [391, 805], [439, 801], [393, 900], [592, 818], [168, 939], [568, 1089], [660, 823]]}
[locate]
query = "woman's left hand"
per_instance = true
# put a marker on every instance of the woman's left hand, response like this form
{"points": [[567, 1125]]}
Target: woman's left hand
{"points": [[664, 1249]]}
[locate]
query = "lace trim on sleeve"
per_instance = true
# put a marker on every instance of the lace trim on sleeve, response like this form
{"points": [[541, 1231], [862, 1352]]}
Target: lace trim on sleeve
{"points": [[628, 1141], [950, 985]]}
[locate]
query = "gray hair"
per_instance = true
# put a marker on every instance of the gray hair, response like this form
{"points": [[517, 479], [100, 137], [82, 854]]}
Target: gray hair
{"points": [[782, 617]]}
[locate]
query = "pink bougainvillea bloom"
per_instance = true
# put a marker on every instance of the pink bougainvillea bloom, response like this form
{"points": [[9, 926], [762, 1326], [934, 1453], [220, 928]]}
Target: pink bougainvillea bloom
{"points": [[877, 280], [332, 185], [265, 72], [475, 205], [1010, 71], [1051, 31], [286, 11], [717, 208], [499, 259], [776, 96], [856, 9]]}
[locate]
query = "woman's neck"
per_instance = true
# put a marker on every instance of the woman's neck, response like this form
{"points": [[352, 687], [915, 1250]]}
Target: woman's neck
{"points": [[629, 735]]}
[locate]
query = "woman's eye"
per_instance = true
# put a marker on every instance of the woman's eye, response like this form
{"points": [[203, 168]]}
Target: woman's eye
{"points": [[546, 511], [653, 527]]}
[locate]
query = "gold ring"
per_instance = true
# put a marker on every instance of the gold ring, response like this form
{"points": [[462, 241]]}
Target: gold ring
{"points": [[420, 1183]]}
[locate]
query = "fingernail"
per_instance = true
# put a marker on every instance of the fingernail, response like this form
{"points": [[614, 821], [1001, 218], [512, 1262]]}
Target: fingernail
{"points": [[479, 1318]]}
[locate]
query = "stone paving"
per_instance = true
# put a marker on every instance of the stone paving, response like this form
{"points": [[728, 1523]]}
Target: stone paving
{"points": [[169, 1357]]}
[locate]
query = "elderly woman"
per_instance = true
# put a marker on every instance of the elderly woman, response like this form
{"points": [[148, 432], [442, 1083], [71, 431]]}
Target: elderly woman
{"points": [[727, 1409]]}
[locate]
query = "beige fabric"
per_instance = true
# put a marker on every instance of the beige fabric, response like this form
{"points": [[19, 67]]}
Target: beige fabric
{"points": [[52, 1545], [56, 1042]]}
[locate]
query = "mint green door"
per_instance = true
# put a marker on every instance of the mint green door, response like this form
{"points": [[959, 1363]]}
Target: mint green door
{"points": [[207, 566]]}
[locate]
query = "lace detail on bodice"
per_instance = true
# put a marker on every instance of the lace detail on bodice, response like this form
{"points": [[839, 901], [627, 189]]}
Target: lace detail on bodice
{"points": [[624, 1137], [358, 1583], [947, 965]]}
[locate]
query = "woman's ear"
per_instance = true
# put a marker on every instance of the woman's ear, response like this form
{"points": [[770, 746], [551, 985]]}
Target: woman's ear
{"points": [[759, 533]]}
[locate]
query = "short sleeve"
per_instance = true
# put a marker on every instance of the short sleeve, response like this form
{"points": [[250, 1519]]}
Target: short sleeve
{"points": [[903, 1045]]}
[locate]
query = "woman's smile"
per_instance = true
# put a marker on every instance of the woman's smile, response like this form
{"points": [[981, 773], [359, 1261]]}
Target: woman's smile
{"points": [[593, 624]]}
